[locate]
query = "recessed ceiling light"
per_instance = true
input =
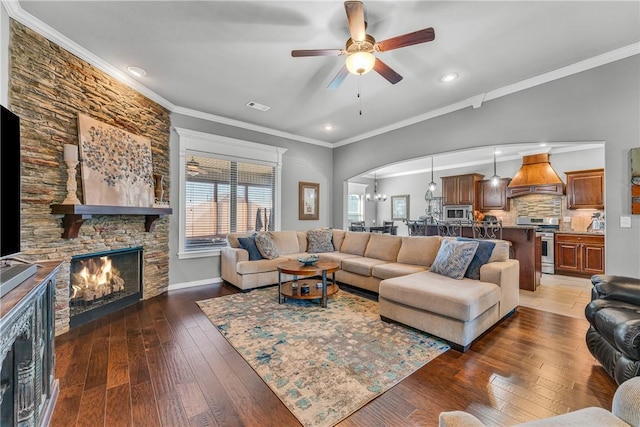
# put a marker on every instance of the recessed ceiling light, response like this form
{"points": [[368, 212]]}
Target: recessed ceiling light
{"points": [[136, 71], [498, 152], [328, 127], [543, 144], [448, 77]]}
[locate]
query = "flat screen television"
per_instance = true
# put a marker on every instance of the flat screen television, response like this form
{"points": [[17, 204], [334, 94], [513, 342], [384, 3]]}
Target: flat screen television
{"points": [[10, 181]]}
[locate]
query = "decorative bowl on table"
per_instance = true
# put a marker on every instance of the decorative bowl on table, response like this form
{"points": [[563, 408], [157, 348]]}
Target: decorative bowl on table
{"points": [[308, 261]]}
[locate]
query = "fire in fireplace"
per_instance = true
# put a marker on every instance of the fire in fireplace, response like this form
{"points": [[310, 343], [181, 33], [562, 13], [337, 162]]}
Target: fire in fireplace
{"points": [[104, 282]]}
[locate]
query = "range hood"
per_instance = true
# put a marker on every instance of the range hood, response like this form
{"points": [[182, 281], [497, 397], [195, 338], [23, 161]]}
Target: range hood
{"points": [[536, 176]]}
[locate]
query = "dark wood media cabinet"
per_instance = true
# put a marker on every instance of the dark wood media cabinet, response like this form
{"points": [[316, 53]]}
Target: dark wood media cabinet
{"points": [[28, 390]]}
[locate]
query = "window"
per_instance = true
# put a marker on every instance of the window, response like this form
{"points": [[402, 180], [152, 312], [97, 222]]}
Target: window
{"points": [[355, 201], [223, 192], [355, 207]]}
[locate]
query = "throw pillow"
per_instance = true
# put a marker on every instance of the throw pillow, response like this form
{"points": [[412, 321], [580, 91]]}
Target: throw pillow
{"points": [[266, 246], [454, 258], [319, 241], [249, 244], [481, 257]]}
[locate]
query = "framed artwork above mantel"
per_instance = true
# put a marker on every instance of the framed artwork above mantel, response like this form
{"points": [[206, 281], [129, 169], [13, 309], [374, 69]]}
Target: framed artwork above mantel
{"points": [[117, 168], [308, 201]]}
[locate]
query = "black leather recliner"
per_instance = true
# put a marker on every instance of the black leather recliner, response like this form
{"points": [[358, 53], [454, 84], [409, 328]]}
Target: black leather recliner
{"points": [[614, 315]]}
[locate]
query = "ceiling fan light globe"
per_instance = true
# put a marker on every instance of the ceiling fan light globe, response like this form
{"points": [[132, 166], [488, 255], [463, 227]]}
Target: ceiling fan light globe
{"points": [[360, 62]]}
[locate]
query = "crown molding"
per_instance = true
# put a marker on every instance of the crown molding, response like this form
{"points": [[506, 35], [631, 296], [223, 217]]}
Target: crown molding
{"points": [[248, 126], [16, 12], [476, 101]]}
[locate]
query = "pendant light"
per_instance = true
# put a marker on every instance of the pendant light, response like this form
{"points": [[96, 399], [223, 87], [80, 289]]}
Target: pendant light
{"points": [[495, 179], [432, 184], [377, 197]]}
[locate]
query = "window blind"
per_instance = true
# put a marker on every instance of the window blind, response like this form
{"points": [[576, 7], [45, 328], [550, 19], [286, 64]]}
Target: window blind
{"points": [[225, 196]]}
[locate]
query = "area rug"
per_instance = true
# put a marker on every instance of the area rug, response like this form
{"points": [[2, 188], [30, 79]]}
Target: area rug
{"points": [[323, 363]]}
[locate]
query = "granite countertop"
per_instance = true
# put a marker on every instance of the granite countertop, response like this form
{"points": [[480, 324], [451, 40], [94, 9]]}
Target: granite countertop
{"points": [[590, 233]]}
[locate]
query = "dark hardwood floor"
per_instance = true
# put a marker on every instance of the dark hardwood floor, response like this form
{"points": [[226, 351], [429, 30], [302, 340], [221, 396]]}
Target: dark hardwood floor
{"points": [[161, 362]]}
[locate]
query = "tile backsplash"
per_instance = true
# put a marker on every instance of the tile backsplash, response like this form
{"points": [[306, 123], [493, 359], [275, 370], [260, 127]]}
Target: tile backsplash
{"points": [[541, 205], [538, 205]]}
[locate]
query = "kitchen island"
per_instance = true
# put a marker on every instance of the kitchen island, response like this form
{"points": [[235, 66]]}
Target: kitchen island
{"points": [[526, 249]]}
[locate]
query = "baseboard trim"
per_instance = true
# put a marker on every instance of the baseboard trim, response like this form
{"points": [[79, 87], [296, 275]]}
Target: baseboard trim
{"points": [[184, 285]]}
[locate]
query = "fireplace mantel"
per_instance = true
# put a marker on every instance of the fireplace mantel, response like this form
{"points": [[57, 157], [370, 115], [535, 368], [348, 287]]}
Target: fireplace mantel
{"points": [[74, 215]]}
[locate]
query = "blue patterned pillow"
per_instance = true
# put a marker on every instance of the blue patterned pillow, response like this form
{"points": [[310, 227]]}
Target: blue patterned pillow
{"points": [[320, 241], [485, 249], [266, 246], [249, 244], [453, 258]]}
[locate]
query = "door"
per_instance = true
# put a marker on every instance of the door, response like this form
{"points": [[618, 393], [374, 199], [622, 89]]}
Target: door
{"points": [[567, 256], [466, 189], [593, 259], [450, 191], [585, 189], [493, 198]]}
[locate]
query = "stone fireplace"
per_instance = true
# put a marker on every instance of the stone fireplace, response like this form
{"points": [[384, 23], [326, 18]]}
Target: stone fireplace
{"points": [[48, 88], [103, 282]]}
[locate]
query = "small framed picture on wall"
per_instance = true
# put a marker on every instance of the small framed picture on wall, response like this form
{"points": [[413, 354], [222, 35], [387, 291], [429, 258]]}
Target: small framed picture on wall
{"points": [[400, 207], [308, 201]]}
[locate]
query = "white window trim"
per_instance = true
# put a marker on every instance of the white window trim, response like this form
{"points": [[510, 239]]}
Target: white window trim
{"points": [[216, 145]]}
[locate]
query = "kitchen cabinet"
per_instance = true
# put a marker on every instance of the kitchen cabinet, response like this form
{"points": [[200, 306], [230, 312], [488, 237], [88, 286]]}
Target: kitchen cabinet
{"points": [[585, 189], [493, 198], [460, 189], [579, 254]]}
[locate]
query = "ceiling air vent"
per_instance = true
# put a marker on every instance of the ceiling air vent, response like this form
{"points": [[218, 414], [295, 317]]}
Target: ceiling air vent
{"points": [[256, 106]]}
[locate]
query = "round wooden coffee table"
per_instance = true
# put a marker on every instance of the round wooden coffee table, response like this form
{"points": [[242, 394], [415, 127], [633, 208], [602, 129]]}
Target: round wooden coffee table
{"points": [[294, 288]]}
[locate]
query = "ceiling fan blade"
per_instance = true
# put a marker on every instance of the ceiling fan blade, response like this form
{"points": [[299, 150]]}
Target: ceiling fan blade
{"points": [[420, 36], [385, 71], [316, 52], [355, 18], [337, 80]]}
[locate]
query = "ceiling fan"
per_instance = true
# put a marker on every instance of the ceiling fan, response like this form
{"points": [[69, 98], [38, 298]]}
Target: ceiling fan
{"points": [[360, 47]]}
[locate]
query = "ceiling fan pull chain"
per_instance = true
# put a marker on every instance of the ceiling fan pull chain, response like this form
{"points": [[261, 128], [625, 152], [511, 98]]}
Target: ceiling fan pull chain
{"points": [[359, 97]]}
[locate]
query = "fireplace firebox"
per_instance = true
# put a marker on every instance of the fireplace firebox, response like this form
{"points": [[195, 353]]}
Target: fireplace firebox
{"points": [[104, 282]]}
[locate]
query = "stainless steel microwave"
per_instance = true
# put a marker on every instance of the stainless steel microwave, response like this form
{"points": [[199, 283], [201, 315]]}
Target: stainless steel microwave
{"points": [[462, 213]]}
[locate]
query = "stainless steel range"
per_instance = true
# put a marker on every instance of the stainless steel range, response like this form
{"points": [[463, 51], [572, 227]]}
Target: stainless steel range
{"points": [[544, 228]]}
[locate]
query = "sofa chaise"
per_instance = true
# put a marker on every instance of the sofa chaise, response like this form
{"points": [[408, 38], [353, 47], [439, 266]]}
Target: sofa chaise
{"points": [[398, 269]]}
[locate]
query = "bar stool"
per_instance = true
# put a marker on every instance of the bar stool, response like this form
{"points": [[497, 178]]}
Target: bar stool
{"points": [[451, 228], [490, 230]]}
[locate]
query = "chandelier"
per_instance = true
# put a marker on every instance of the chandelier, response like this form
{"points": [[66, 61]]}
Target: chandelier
{"points": [[377, 197]]}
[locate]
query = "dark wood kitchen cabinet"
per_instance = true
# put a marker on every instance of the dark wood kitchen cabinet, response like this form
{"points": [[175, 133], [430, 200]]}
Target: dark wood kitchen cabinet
{"points": [[492, 198], [460, 189], [579, 254], [585, 189]]}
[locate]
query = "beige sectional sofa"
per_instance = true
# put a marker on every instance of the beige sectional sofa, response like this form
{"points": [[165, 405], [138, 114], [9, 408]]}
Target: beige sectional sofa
{"points": [[397, 269]]}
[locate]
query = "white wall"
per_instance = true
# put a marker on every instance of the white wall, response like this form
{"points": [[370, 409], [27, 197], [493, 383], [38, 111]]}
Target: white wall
{"points": [[601, 104], [301, 162]]}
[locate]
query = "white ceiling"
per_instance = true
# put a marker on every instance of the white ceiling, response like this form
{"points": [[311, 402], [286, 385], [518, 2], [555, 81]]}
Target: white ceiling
{"points": [[209, 58]]}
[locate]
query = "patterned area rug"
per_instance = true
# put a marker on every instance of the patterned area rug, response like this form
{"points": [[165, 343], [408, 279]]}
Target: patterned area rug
{"points": [[324, 364]]}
